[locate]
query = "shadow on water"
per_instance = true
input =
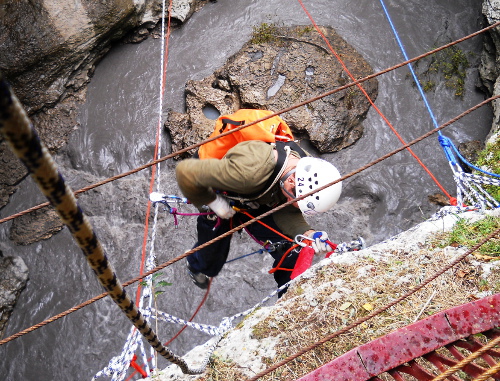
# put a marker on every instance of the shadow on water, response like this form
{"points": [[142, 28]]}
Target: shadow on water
{"points": [[118, 124]]}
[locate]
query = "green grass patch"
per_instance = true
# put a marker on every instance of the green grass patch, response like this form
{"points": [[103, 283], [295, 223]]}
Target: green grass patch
{"points": [[264, 33], [449, 65], [469, 234], [489, 159]]}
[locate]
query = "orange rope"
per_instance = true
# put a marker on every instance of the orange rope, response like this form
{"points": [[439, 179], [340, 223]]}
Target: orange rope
{"points": [[274, 269], [194, 315], [452, 199], [267, 226]]}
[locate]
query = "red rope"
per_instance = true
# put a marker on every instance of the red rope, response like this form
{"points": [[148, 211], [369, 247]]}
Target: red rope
{"points": [[194, 315], [137, 366], [452, 199]]}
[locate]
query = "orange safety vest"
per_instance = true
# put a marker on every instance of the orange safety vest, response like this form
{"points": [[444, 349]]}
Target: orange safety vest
{"points": [[270, 130]]}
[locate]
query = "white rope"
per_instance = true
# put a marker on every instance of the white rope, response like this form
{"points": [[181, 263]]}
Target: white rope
{"points": [[119, 365], [470, 191], [470, 194]]}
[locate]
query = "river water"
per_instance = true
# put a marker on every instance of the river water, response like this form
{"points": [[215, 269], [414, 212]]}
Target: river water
{"points": [[118, 124]]}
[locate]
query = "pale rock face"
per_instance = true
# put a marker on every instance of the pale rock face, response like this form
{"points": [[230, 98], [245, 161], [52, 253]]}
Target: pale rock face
{"points": [[13, 280]]}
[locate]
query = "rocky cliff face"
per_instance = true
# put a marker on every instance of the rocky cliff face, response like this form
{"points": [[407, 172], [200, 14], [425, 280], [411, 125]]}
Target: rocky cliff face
{"points": [[490, 66], [49, 48], [13, 278], [48, 52]]}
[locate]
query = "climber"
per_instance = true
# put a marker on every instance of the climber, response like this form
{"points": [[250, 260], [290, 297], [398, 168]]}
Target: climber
{"points": [[259, 176]]}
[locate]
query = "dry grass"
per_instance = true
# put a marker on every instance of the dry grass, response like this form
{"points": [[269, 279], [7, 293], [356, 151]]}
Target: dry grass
{"points": [[345, 293], [221, 369]]}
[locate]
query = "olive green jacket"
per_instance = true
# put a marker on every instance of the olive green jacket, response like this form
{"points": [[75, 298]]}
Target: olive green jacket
{"points": [[243, 170]]}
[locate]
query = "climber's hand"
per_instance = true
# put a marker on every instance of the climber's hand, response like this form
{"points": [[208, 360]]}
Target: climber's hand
{"points": [[319, 242], [221, 207]]}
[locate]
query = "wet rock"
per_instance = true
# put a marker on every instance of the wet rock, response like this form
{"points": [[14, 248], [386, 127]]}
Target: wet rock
{"points": [[12, 282], [189, 129], [55, 124], [12, 171], [294, 66], [50, 47], [181, 133], [35, 226], [470, 150], [438, 199]]}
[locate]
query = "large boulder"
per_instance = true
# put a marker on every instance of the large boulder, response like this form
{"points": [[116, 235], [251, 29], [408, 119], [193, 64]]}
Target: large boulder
{"points": [[291, 66], [35, 226]]}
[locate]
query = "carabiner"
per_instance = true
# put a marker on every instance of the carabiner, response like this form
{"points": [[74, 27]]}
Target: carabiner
{"points": [[300, 238]]}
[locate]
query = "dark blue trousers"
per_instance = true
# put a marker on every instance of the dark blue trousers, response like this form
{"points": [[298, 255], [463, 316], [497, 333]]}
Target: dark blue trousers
{"points": [[211, 259]]}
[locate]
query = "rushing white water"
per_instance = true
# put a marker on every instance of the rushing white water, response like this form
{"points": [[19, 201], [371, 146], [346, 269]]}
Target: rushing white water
{"points": [[118, 124]]}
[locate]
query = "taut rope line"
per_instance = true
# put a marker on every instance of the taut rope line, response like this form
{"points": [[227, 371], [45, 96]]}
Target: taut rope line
{"points": [[168, 263], [355, 83], [24, 142]]}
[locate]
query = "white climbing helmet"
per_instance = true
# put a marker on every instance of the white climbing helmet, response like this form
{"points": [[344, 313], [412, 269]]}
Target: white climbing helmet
{"points": [[312, 173]]}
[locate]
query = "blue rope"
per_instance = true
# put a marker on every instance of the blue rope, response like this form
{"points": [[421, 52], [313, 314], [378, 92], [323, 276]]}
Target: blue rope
{"points": [[457, 152], [260, 251], [417, 82], [444, 141], [447, 145]]}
